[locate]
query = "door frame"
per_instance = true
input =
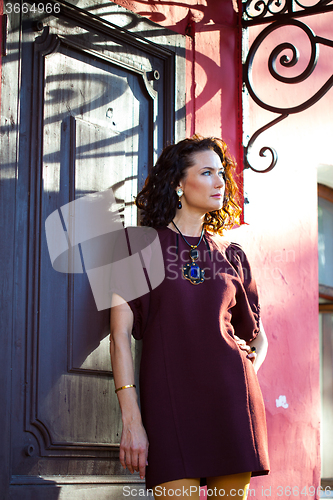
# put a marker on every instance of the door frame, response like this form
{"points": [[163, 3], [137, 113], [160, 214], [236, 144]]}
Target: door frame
{"points": [[21, 190]]}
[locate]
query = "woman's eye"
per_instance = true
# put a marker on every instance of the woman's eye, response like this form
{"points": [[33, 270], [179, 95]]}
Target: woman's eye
{"points": [[221, 173]]}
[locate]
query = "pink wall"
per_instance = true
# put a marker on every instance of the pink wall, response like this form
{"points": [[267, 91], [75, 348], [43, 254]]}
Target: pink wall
{"points": [[282, 214], [281, 235]]}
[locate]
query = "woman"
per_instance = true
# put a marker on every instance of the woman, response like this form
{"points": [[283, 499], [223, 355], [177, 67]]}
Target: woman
{"points": [[201, 404]]}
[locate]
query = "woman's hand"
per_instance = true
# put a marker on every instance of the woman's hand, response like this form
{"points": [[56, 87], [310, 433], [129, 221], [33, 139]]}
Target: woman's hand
{"points": [[243, 345], [134, 447], [261, 345]]}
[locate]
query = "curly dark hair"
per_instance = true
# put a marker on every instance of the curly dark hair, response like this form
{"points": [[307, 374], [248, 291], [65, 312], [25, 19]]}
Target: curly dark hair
{"points": [[158, 199]]}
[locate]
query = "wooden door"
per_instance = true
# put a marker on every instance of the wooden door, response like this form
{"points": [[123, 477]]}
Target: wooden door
{"points": [[97, 104]]}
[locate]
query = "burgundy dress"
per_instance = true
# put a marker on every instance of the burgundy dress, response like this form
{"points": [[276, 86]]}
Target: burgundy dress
{"points": [[201, 402]]}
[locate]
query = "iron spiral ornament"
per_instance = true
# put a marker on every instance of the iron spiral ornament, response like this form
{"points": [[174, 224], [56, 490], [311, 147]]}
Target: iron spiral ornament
{"points": [[287, 55]]}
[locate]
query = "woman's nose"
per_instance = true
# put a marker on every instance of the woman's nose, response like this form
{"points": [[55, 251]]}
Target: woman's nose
{"points": [[219, 182]]}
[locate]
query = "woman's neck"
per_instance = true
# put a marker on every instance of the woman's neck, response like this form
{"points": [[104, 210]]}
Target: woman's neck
{"points": [[187, 224]]}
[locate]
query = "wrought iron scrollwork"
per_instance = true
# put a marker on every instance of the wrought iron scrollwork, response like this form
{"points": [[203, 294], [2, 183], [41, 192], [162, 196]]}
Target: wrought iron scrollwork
{"points": [[259, 11], [263, 150], [287, 61]]}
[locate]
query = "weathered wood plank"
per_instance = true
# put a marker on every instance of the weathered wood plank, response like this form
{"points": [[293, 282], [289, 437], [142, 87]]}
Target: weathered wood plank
{"points": [[10, 88]]}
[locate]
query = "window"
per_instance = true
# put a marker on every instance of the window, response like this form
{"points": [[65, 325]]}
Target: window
{"points": [[325, 240], [325, 263]]}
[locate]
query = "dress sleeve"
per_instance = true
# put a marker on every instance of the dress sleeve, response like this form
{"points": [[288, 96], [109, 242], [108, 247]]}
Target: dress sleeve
{"points": [[246, 312], [140, 310], [128, 276]]}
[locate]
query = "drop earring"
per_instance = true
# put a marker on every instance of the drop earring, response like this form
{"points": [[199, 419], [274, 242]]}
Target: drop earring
{"points": [[180, 193]]}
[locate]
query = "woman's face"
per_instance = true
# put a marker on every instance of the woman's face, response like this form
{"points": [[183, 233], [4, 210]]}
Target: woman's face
{"points": [[203, 184]]}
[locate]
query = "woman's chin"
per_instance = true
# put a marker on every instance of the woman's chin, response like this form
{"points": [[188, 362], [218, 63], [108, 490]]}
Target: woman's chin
{"points": [[216, 205]]}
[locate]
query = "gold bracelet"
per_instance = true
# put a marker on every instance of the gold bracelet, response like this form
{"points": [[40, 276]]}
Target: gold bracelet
{"points": [[125, 387]]}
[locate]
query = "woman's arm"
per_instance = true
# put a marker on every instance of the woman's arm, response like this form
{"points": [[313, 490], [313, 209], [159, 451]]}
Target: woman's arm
{"points": [[134, 443], [261, 345]]}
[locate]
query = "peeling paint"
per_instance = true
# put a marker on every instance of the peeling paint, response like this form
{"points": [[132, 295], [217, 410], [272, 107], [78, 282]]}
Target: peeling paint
{"points": [[282, 401]]}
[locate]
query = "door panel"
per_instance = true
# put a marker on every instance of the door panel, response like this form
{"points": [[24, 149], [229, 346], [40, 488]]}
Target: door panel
{"points": [[106, 106], [97, 120]]}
